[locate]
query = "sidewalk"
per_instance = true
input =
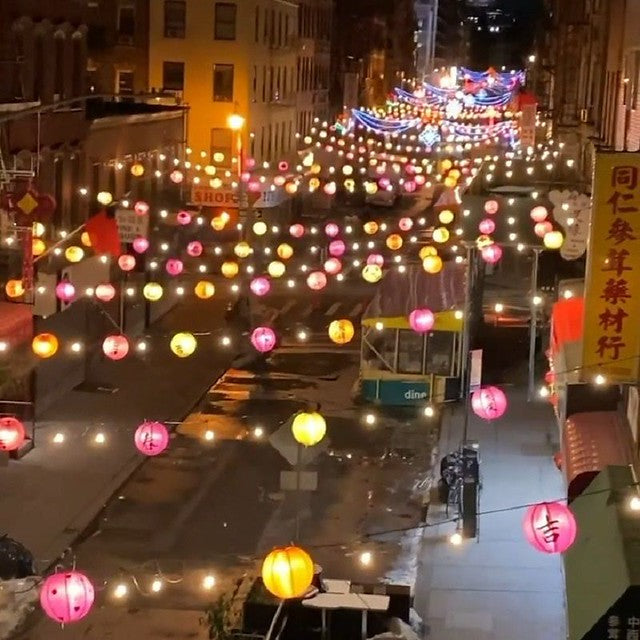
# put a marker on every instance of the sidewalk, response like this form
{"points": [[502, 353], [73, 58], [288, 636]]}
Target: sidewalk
{"points": [[496, 587]]}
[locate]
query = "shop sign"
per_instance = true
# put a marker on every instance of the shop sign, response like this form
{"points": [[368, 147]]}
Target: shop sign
{"points": [[210, 197], [397, 392], [611, 343]]}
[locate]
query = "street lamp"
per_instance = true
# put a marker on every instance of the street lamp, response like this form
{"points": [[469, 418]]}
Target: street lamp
{"points": [[236, 122]]}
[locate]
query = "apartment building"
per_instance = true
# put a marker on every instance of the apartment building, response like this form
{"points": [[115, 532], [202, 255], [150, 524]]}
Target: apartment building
{"points": [[225, 58]]}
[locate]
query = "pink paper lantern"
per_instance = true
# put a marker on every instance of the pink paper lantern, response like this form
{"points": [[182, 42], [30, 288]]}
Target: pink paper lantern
{"points": [[421, 320], [174, 266], [491, 253], [542, 228], [245, 176], [330, 188], [126, 262], [420, 180], [67, 597], [491, 207], [115, 347], [333, 266], [539, 213], [410, 186], [380, 169], [296, 230], [405, 224], [65, 291], [183, 217], [140, 244], [263, 339], [12, 433], [279, 181], [176, 176], [141, 208], [151, 438], [105, 292], [260, 286], [550, 527], [489, 403], [283, 165], [253, 186], [332, 229], [375, 259], [316, 280], [487, 226], [337, 248], [194, 248], [384, 183]]}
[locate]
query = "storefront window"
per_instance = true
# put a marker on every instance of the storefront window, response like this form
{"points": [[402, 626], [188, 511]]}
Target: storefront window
{"points": [[440, 353], [379, 350], [410, 352]]}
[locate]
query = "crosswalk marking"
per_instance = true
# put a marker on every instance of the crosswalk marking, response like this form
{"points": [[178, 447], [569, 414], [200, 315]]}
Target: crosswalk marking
{"points": [[287, 307], [356, 310], [332, 309]]}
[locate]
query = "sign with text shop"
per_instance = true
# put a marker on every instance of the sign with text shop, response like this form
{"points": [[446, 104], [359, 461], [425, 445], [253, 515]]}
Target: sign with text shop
{"points": [[612, 293]]}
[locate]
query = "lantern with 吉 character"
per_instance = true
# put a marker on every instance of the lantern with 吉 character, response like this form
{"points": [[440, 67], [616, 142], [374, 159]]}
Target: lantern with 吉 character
{"points": [[194, 248], [440, 235], [487, 226], [65, 291], [260, 286], [372, 273], [405, 224], [489, 403], [421, 320], [140, 244], [445, 216], [371, 227], [337, 248], [74, 253], [341, 331], [137, 169], [276, 269], [44, 345], [242, 249], [12, 433], [105, 292], [67, 596], [491, 253], [553, 239], [229, 269], [183, 344], [296, 230], [316, 280], [14, 288], [38, 246], [394, 242], [542, 228], [491, 207], [126, 262], [152, 291], [287, 572], [141, 208], [539, 213], [151, 438], [550, 527], [308, 428], [115, 347], [260, 227], [333, 266], [263, 339], [174, 266], [204, 289]]}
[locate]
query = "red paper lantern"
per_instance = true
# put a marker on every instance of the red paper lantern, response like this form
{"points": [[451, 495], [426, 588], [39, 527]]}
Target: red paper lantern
{"points": [[260, 286], [115, 347], [539, 213], [421, 320], [183, 217], [195, 248], [151, 438], [491, 253], [141, 208], [491, 207], [550, 527], [542, 228], [126, 262], [375, 259], [333, 266], [140, 244], [176, 176], [405, 224], [263, 339], [331, 229], [337, 248], [296, 230], [316, 280], [67, 597], [174, 266], [105, 292], [487, 226], [12, 433], [65, 291], [489, 403]]}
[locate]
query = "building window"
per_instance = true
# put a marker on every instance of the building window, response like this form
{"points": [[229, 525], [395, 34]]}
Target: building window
{"points": [[223, 83], [173, 76], [225, 21], [256, 27], [222, 142], [175, 18], [126, 20], [124, 82]]}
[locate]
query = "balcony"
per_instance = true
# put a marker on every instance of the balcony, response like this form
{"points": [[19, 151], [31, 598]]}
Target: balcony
{"points": [[283, 100]]}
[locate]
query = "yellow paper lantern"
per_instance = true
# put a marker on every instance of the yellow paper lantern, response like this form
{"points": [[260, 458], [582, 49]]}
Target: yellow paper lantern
{"points": [[483, 241], [314, 183], [371, 188], [371, 227], [440, 235], [276, 269], [308, 428], [243, 249], [372, 273], [218, 223], [287, 572], [85, 238], [350, 185], [427, 251], [14, 288], [210, 170], [104, 198], [284, 251], [394, 241], [183, 344], [204, 289], [553, 239], [259, 228], [38, 229], [215, 183], [38, 247], [291, 188], [229, 269], [446, 165], [218, 157], [445, 216], [44, 345], [450, 182], [74, 254], [341, 331], [316, 169], [432, 264], [152, 291], [137, 169]]}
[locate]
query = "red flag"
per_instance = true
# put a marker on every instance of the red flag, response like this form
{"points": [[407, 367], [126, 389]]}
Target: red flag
{"points": [[103, 233]]}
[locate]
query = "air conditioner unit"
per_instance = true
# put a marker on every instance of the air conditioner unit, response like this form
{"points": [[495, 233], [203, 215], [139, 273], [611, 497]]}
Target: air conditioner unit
{"points": [[584, 115]]}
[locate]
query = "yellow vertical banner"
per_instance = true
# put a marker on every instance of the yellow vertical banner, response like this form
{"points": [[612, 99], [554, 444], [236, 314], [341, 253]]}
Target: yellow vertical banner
{"points": [[611, 344]]}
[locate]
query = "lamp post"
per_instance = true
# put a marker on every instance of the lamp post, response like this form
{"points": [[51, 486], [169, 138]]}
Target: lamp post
{"points": [[236, 123]]}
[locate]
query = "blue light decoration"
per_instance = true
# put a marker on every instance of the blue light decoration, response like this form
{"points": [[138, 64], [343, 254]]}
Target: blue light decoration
{"points": [[430, 136], [383, 126]]}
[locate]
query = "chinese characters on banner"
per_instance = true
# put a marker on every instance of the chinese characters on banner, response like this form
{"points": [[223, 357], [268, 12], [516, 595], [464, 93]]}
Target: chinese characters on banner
{"points": [[612, 294], [621, 628]]}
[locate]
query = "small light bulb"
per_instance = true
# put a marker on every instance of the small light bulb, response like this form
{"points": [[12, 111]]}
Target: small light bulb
{"points": [[370, 418], [302, 335], [634, 503], [58, 438], [141, 346], [499, 307], [429, 411], [455, 539], [458, 315], [3, 346], [76, 347], [156, 585], [258, 432], [537, 300], [544, 392], [208, 582], [100, 438], [600, 379], [366, 558], [226, 341], [121, 590], [209, 435]]}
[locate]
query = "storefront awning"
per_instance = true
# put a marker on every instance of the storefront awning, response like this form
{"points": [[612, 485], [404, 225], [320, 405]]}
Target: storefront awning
{"points": [[592, 441], [602, 567]]}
